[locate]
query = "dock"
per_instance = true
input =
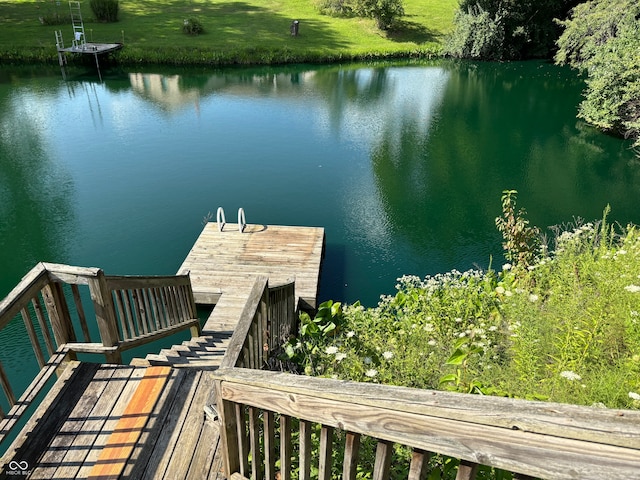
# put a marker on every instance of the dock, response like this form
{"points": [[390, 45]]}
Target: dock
{"points": [[224, 260]]}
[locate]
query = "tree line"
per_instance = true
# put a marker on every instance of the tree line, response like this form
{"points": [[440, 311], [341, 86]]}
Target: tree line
{"points": [[600, 38]]}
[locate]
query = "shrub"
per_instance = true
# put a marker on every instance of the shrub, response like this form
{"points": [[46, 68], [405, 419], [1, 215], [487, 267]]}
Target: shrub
{"points": [[192, 26], [335, 8], [105, 10], [385, 12]]}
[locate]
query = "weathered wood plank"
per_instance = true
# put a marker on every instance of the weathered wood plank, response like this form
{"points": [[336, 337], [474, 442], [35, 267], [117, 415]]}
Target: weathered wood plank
{"points": [[418, 468], [188, 435], [153, 450], [116, 452], [254, 444], [285, 447], [33, 337], [467, 470], [305, 449], [254, 297], [111, 420], [326, 444], [21, 295], [611, 426], [85, 438], [269, 445], [40, 428], [35, 387], [52, 457], [44, 328], [80, 311], [243, 441], [382, 464], [413, 425], [351, 452]]}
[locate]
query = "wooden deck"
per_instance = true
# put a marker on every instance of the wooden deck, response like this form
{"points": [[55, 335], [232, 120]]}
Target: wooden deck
{"points": [[228, 261], [114, 421]]}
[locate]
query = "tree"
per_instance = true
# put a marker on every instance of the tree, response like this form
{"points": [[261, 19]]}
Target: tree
{"points": [[506, 29], [602, 39]]}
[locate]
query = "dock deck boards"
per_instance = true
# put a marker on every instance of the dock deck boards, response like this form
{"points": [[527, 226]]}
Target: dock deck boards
{"points": [[225, 261], [92, 411], [92, 48]]}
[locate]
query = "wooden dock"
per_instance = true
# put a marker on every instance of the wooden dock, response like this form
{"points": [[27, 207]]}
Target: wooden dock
{"points": [[227, 261]]}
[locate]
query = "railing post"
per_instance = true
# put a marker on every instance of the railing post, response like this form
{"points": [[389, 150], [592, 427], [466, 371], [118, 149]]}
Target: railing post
{"points": [[105, 315], [58, 312], [228, 433]]}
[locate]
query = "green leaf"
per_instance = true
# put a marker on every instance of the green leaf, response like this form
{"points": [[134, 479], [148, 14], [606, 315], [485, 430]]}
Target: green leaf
{"points": [[457, 357], [450, 378]]}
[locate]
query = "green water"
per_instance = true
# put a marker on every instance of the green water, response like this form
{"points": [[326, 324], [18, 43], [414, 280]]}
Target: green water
{"points": [[403, 165]]}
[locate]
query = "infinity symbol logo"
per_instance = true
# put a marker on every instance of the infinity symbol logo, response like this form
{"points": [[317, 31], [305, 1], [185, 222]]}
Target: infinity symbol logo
{"points": [[22, 466]]}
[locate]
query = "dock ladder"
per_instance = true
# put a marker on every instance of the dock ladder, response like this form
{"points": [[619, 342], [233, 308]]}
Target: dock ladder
{"points": [[78, 25], [59, 46]]}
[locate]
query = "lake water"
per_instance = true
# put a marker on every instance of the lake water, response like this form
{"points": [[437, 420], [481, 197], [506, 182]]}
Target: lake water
{"points": [[403, 165]]}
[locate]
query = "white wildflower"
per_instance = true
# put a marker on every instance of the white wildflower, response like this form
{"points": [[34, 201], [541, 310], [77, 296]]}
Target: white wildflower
{"points": [[533, 298], [367, 360], [428, 327], [508, 293], [331, 350], [493, 328], [632, 288], [350, 334], [506, 266], [340, 356], [387, 355], [499, 290], [432, 342], [372, 372], [569, 375], [634, 395]]}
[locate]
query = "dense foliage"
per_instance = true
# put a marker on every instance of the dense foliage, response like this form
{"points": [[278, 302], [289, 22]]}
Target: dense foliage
{"points": [[565, 329], [506, 29], [602, 39]]}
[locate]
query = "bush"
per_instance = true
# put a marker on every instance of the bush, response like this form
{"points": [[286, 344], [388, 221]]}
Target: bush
{"points": [[105, 10], [335, 8], [385, 12], [192, 26]]}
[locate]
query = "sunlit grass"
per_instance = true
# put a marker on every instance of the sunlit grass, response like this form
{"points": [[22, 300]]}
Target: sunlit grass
{"points": [[236, 27]]}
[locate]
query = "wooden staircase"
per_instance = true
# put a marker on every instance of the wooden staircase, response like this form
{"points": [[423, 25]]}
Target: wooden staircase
{"points": [[204, 352]]}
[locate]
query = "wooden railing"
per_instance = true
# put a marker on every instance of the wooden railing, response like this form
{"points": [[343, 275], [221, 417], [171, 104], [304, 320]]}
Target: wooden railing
{"points": [[532, 439], [129, 311], [268, 317], [283, 315]]}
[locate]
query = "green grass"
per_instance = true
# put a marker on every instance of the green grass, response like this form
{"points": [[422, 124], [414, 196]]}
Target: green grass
{"points": [[237, 31]]}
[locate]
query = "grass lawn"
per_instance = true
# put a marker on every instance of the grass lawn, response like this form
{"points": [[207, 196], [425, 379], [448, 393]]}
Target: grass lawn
{"points": [[235, 31]]}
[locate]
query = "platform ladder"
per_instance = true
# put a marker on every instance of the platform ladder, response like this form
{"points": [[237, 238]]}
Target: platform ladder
{"points": [[78, 25]]}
